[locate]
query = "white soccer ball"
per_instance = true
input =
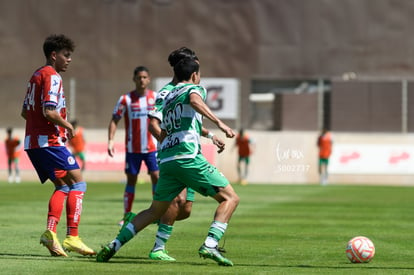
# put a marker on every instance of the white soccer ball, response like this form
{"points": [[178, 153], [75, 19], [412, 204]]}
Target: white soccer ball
{"points": [[360, 250]]}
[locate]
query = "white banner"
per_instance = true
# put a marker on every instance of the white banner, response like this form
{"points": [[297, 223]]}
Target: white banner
{"points": [[372, 159], [222, 94]]}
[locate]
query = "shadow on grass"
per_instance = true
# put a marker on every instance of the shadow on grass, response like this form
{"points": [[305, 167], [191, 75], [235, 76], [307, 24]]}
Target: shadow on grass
{"points": [[350, 266], [144, 260], [42, 256], [133, 260]]}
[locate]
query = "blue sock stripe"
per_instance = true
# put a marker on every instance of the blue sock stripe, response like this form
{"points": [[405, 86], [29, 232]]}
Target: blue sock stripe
{"points": [[79, 186], [130, 189], [63, 188]]}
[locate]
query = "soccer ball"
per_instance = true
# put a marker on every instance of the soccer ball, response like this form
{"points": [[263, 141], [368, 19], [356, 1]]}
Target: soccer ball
{"points": [[360, 250]]}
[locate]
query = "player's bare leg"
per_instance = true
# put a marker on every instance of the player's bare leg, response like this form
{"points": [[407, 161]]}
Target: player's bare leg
{"points": [[178, 210], [228, 201]]}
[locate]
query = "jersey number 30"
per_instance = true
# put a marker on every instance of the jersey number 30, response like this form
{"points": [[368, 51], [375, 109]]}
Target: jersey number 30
{"points": [[173, 118]]}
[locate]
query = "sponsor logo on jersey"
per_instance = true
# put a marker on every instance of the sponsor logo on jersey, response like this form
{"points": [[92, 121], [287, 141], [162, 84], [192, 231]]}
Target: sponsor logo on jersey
{"points": [[71, 160], [135, 115]]}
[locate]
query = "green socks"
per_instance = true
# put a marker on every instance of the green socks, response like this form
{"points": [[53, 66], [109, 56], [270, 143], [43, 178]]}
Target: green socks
{"points": [[163, 234]]}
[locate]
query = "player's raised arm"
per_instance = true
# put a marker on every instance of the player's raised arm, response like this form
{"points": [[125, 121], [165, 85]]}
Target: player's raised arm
{"points": [[215, 139], [198, 104]]}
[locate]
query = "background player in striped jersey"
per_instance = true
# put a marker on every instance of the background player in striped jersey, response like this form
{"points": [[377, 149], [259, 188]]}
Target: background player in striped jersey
{"points": [[47, 131], [140, 145], [182, 164]]}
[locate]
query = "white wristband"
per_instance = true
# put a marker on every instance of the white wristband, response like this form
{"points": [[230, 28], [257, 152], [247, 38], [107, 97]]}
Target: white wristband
{"points": [[210, 135]]}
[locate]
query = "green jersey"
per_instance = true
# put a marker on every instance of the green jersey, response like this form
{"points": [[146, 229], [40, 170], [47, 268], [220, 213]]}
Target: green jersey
{"points": [[159, 101], [182, 124]]}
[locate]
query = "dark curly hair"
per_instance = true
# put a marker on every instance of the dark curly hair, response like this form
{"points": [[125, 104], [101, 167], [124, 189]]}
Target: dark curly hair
{"points": [[57, 42]]}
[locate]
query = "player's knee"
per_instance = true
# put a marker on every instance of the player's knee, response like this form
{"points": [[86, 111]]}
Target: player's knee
{"points": [[235, 199], [182, 215], [184, 211], [187, 210], [180, 201]]}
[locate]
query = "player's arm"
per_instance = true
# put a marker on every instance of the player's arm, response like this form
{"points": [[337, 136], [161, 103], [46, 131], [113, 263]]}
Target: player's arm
{"points": [[24, 113], [111, 134], [163, 134], [154, 127], [53, 116], [24, 109], [198, 104], [215, 139], [252, 146]]}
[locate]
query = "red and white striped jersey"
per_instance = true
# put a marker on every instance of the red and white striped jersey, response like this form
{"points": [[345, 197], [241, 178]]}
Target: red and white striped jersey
{"points": [[135, 111], [44, 89]]}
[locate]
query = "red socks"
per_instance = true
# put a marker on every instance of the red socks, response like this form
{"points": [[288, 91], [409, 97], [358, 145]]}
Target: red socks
{"points": [[56, 203], [73, 211], [73, 196], [128, 201]]}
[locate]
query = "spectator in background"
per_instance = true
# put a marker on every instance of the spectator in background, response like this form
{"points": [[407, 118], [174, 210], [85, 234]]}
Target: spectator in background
{"points": [[140, 145], [13, 153], [325, 148], [77, 144], [245, 149]]}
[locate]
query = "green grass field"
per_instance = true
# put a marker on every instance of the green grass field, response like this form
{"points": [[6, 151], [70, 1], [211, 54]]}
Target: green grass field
{"points": [[277, 229]]}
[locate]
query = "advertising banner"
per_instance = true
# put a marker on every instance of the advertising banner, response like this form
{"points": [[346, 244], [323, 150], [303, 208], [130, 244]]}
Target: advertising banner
{"points": [[372, 159]]}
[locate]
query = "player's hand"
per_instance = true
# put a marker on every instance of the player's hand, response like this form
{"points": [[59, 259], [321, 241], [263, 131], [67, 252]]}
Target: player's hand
{"points": [[70, 132], [226, 129], [219, 143], [111, 148]]}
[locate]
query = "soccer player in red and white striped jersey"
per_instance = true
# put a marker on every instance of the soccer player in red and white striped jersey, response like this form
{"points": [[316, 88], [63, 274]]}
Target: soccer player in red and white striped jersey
{"points": [[47, 131], [140, 145]]}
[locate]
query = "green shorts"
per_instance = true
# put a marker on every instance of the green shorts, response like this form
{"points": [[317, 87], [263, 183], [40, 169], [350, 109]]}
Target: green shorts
{"points": [[323, 161], [245, 159], [15, 160], [197, 173]]}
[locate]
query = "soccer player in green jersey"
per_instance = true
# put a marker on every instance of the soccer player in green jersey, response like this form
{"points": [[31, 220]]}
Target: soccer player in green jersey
{"points": [[180, 208], [182, 165]]}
